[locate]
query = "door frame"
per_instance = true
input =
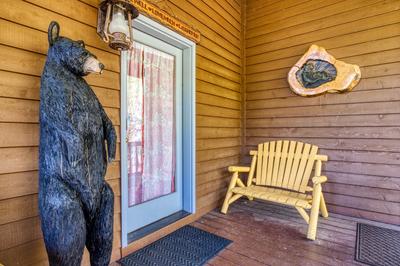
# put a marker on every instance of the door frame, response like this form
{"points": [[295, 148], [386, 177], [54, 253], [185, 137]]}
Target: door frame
{"points": [[188, 47]]}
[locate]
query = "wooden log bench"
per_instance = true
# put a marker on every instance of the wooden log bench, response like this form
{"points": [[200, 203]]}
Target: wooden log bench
{"points": [[280, 172]]}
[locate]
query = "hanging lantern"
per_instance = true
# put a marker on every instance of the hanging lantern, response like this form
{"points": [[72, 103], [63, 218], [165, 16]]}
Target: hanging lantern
{"points": [[114, 23]]}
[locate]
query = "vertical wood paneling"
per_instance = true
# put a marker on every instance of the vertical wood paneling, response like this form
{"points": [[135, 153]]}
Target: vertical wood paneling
{"points": [[23, 48], [360, 130]]}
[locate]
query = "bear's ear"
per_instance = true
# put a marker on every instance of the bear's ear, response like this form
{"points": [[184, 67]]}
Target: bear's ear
{"points": [[53, 32]]}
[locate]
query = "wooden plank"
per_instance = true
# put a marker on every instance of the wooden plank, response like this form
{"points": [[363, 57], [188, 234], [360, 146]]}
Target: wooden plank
{"points": [[18, 184], [328, 121], [215, 135], [289, 163], [272, 251], [202, 22], [217, 6], [209, 121], [276, 163], [364, 168], [270, 158], [384, 207], [369, 94], [113, 170], [302, 165], [72, 9], [365, 84], [374, 216], [220, 16], [25, 62], [219, 101], [257, 12], [211, 154], [282, 165], [219, 58], [22, 135], [377, 145], [260, 166], [291, 9], [218, 69], [337, 36], [296, 161], [27, 111], [14, 234], [217, 80], [263, 161], [36, 17], [347, 132], [213, 175], [30, 253], [364, 180], [15, 209], [209, 187], [216, 23], [281, 30], [212, 89], [203, 109], [279, 68], [18, 159], [307, 172], [36, 41], [392, 195], [380, 107], [203, 167]]}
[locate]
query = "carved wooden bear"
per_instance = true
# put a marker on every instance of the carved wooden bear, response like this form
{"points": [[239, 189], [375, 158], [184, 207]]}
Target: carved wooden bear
{"points": [[76, 204]]}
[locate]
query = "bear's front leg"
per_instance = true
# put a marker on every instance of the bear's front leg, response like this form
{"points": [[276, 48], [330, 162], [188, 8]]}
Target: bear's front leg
{"points": [[110, 136], [100, 230]]}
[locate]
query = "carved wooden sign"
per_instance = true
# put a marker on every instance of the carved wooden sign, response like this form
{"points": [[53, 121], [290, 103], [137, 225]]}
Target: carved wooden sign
{"points": [[319, 72], [175, 24]]}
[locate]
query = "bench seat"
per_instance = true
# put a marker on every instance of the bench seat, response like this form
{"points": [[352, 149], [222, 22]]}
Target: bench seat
{"points": [[276, 195]]}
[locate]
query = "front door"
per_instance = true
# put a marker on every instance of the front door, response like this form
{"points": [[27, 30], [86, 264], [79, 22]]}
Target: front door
{"points": [[152, 110]]}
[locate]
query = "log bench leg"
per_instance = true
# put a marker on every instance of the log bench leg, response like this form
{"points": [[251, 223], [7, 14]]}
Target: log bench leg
{"points": [[229, 193], [324, 210], [312, 226]]}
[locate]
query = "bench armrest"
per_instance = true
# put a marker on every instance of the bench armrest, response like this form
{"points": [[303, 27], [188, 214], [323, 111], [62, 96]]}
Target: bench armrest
{"points": [[319, 179], [239, 169]]}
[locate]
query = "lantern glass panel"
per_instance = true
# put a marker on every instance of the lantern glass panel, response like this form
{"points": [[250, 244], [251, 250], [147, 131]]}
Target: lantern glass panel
{"points": [[118, 23]]}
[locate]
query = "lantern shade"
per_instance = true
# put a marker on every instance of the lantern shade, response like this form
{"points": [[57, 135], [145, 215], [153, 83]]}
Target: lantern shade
{"points": [[114, 21]]}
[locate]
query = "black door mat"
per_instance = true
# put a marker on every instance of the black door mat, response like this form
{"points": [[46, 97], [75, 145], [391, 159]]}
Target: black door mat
{"points": [[188, 246], [377, 246]]}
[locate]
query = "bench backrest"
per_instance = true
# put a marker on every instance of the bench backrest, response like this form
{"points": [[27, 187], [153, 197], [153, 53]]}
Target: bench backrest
{"points": [[285, 164]]}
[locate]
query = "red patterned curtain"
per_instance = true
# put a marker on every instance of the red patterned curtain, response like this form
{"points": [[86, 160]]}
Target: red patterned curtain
{"points": [[151, 124]]}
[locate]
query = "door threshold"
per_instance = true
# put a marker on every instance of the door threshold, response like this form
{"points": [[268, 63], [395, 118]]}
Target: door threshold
{"points": [[151, 228]]}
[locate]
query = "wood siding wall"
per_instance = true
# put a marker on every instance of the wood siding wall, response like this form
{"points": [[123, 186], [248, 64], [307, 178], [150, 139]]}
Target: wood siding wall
{"points": [[360, 131], [23, 47]]}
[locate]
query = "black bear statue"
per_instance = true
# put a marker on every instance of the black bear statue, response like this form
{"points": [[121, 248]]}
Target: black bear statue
{"points": [[75, 202]]}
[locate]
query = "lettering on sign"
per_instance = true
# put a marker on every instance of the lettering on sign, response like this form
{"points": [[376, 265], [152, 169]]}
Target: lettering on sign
{"points": [[156, 13]]}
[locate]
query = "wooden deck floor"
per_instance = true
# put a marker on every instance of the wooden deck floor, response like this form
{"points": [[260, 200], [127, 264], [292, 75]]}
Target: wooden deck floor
{"points": [[269, 234]]}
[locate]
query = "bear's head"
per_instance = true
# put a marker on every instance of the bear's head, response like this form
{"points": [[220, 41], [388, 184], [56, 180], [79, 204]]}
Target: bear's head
{"points": [[71, 54]]}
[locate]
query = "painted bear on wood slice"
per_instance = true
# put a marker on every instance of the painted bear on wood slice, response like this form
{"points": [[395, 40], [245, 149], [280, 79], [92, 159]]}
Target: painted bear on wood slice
{"points": [[76, 204]]}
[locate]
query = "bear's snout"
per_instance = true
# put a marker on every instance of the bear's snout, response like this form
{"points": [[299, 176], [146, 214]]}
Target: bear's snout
{"points": [[92, 65]]}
